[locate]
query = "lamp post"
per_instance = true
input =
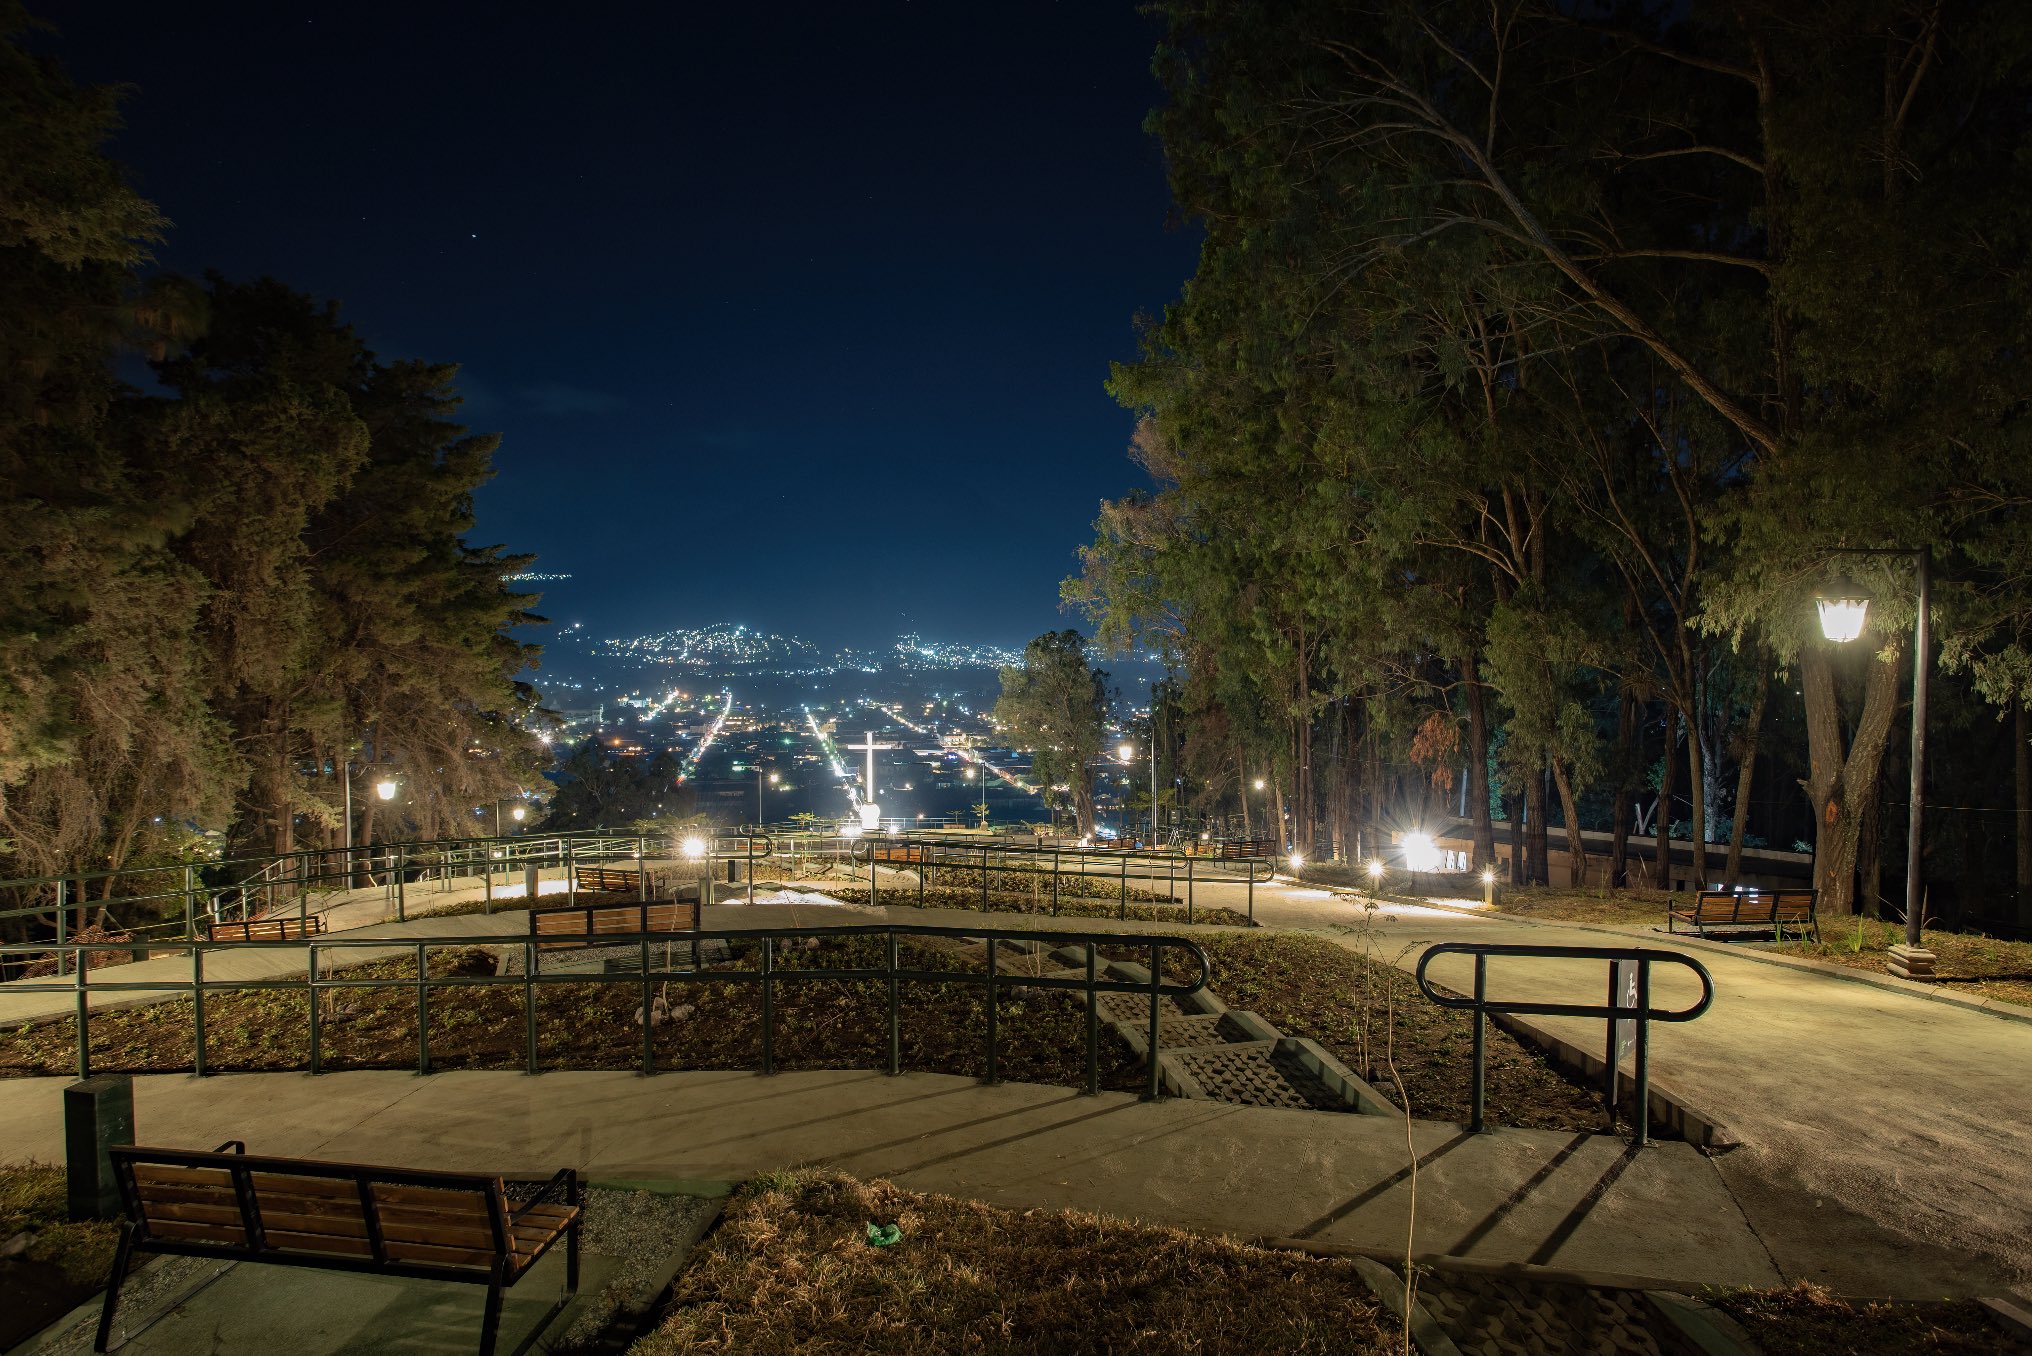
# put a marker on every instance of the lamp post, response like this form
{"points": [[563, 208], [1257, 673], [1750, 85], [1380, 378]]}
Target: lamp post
{"points": [[773, 779], [1843, 609], [1126, 751]]}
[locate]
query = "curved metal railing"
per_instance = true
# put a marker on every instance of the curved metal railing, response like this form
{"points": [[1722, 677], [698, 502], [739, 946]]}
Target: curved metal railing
{"points": [[1089, 979], [1628, 1011]]}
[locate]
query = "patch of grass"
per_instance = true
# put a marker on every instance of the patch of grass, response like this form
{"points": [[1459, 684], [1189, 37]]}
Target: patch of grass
{"points": [[64, 1263], [789, 1269], [1625, 907], [1307, 985], [1806, 1320], [1966, 962]]}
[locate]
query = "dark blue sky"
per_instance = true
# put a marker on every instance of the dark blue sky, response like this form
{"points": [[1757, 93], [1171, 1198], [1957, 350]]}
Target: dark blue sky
{"points": [[794, 315]]}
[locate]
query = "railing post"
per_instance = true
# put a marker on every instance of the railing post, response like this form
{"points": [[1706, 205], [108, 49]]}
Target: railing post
{"points": [[401, 885], [571, 868], [1188, 889], [1122, 913], [1609, 1052], [1478, 1087], [529, 1006], [190, 903], [648, 1026], [1156, 977], [895, 1025], [994, 1031], [768, 1005], [1643, 1049], [310, 982], [641, 868], [80, 964], [1250, 868], [984, 879], [422, 1012], [1093, 1028], [62, 923], [1054, 882], [198, 1008]]}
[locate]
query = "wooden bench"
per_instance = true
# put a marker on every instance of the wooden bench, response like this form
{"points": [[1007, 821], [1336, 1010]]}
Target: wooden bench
{"points": [[447, 1226], [1760, 909], [279, 929], [1249, 847], [907, 853], [608, 879], [573, 924]]}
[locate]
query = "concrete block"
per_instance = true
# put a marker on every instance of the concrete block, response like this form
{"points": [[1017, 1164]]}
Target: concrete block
{"points": [[98, 1113]]}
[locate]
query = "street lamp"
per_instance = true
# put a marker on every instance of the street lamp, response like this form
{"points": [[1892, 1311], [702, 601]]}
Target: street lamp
{"points": [[385, 788], [1843, 609], [773, 779]]}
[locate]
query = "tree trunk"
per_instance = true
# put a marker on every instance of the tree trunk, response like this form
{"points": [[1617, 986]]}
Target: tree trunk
{"points": [[2021, 737], [1478, 762], [1746, 774], [1696, 787], [1629, 731], [1842, 774], [1535, 828], [1277, 811], [1513, 810], [1870, 859], [1576, 846], [1666, 777]]}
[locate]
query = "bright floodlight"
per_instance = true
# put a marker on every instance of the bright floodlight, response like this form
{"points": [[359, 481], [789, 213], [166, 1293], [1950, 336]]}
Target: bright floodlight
{"points": [[1375, 869], [774, 778], [1488, 876], [850, 829], [1259, 783], [1297, 861], [1125, 751], [694, 848], [385, 788], [519, 813], [1843, 608], [1420, 853]]}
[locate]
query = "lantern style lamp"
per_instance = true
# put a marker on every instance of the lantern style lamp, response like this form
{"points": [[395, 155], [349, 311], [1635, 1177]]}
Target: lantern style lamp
{"points": [[385, 788], [1844, 607]]}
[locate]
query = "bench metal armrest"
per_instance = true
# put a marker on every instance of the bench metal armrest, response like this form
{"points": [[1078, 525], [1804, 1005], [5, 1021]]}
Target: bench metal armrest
{"points": [[232, 1146], [563, 1187]]}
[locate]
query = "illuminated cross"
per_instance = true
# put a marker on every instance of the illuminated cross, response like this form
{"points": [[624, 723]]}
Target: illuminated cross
{"points": [[869, 748]]}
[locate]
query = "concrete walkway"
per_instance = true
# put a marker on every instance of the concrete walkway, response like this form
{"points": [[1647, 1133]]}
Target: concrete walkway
{"points": [[1585, 1202]]}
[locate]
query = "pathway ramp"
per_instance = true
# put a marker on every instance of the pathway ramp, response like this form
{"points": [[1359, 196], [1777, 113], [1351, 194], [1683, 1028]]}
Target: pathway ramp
{"points": [[1581, 1202]]}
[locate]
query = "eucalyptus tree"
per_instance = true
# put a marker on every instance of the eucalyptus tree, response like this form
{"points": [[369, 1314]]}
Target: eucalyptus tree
{"points": [[1055, 704]]}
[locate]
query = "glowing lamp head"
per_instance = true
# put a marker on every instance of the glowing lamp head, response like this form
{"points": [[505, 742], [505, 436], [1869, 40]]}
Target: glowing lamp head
{"points": [[385, 788], [1488, 876], [1375, 869], [694, 848], [1125, 751], [1259, 783], [1297, 861], [519, 813], [775, 778], [1843, 609], [1420, 852]]}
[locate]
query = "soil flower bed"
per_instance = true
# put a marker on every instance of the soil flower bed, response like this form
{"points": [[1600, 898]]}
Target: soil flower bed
{"points": [[944, 897], [591, 1024], [1965, 962], [790, 1267], [1369, 1014], [1806, 1320]]}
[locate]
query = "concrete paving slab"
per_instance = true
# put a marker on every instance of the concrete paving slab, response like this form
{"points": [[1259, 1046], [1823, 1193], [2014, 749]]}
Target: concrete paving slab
{"points": [[1576, 1201], [332, 1313]]}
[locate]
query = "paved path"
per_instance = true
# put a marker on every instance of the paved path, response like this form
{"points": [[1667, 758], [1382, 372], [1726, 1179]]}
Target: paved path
{"points": [[1585, 1202], [1870, 1120]]}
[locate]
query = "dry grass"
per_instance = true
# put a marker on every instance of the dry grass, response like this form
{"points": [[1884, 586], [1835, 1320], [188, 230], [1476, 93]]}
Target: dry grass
{"points": [[1806, 1320], [1965, 962], [1308, 986], [789, 1269], [64, 1263], [1619, 907], [1068, 907]]}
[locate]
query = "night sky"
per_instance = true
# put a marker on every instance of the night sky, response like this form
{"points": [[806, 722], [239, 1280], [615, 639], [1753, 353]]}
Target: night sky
{"points": [[794, 315]]}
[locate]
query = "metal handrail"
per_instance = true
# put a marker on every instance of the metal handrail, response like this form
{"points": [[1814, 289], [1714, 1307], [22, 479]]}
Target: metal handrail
{"points": [[1081, 863], [1629, 1005], [1091, 983]]}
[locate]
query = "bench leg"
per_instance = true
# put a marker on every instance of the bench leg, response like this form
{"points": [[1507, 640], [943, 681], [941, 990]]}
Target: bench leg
{"points": [[120, 1254], [571, 1257], [490, 1326]]}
